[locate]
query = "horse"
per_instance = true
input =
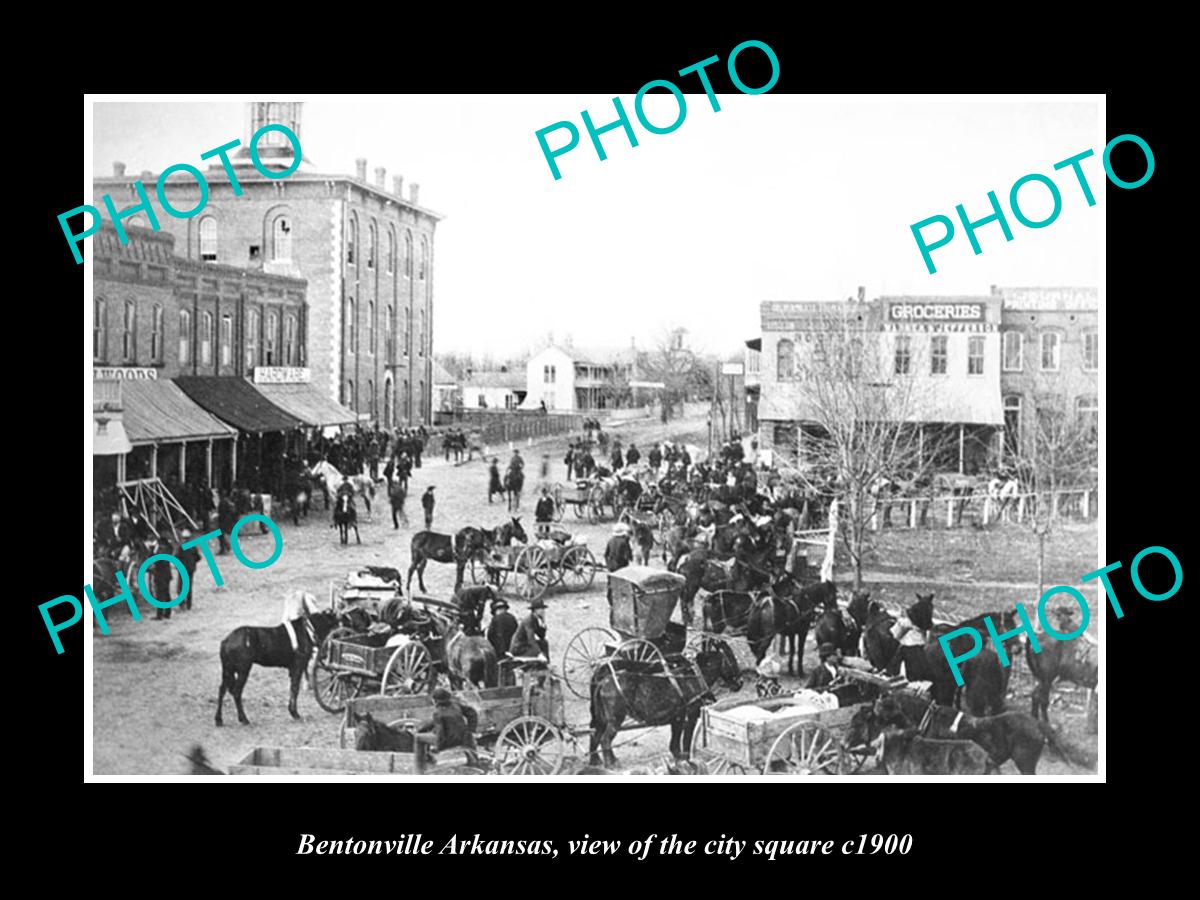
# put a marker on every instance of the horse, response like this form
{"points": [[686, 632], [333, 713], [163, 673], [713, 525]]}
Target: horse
{"points": [[329, 479], [271, 647], [472, 601], [701, 570], [787, 612], [841, 630], [985, 681], [468, 543], [345, 517], [514, 481], [642, 690], [643, 540], [372, 735], [470, 657], [1066, 660], [877, 645]]}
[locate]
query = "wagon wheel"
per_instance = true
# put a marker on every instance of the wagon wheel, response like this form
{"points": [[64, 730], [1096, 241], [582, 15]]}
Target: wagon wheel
{"points": [[585, 650], [853, 759], [330, 687], [529, 746], [578, 569], [409, 671], [595, 505], [580, 508], [531, 572], [640, 650], [559, 508], [804, 749]]}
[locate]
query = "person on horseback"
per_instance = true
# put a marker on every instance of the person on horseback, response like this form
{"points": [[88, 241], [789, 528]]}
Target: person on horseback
{"points": [[453, 724]]}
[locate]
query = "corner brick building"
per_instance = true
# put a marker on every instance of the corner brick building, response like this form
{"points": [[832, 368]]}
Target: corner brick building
{"points": [[365, 251]]}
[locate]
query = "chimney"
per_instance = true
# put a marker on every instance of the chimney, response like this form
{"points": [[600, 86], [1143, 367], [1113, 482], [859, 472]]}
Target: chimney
{"points": [[862, 294], [381, 177], [119, 169], [360, 165], [413, 191], [398, 185]]}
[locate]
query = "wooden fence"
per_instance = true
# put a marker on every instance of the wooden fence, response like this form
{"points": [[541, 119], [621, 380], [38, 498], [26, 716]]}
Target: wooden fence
{"points": [[1069, 504], [498, 427]]}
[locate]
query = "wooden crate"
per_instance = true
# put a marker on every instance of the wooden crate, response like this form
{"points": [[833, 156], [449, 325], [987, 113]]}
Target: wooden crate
{"points": [[496, 707], [319, 761], [748, 742], [350, 656]]}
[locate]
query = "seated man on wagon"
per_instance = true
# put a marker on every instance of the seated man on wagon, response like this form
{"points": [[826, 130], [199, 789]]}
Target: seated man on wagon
{"points": [[453, 724]]}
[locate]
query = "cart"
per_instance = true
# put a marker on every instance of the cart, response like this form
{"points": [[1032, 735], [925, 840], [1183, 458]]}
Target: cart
{"points": [[585, 497], [561, 559], [522, 729], [798, 735]]}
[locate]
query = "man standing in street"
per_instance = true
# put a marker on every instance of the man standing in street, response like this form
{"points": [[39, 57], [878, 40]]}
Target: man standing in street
{"points": [[427, 502], [543, 514], [190, 559], [495, 485]]}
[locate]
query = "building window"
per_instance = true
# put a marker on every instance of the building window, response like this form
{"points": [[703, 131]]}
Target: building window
{"points": [[387, 402], [371, 326], [371, 246], [510, 401], [281, 243], [270, 338], [408, 255], [785, 360], [1091, 351], [289, 341], [100, 331], [351, 326], [226, 340], [903, 355], [156, 334], [421, 332], [206, 338], [1051, 351], [938, 354], [406, 398], [351, 400], [252, 329], [129, 335], [1013, 344], [1012, 424], [975, 355], [185, 336], [424, 257], [389, 336], [391, 262], [371, 398], [549, 374], [1088, 411], [351, 239], [421, 399], [404, 338], [208, 239]]}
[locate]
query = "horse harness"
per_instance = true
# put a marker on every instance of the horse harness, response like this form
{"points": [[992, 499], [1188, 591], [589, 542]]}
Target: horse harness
{"points": [[671, 676]]}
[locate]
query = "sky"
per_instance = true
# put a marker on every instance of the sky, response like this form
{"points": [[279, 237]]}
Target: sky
{"points": [[774, 197]]}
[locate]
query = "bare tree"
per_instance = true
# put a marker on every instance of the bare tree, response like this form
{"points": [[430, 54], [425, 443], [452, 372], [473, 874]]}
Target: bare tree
{"points": [[857, 433], [677, 366]]}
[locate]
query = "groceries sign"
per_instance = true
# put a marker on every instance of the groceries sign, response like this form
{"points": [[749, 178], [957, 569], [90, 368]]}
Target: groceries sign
{"points": [[909, 315]]}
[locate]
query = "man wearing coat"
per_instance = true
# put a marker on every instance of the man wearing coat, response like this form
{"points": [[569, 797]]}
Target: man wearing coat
{"points": [[453, 724], [500, 633], [529, 641]]}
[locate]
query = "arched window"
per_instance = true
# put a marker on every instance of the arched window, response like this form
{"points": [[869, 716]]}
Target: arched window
{"points": [[270, 339], [371, 246], [208, 239], [206, 338], [281, 241], [408, 254], [100, 331], [390, 335], [129, 335], [185, 336], [253, 326], [421, 399], [156, 334], [421, 331], [371, 398], [371, 326], [351, 239], [785, 357], [387, 402], [351, 326], [226, 340], [289, 341], [406, 336], [406, 402], [1051, 351], [424, 257], [350, 399], [391, 251], [1012, 423]]}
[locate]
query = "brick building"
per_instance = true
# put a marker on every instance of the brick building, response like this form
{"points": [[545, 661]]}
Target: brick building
{"points": [[1050, 346], [365, 251]]}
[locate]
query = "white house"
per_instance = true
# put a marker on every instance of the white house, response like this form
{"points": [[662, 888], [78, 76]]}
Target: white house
{"points": [[568, 378], [493, 390]]}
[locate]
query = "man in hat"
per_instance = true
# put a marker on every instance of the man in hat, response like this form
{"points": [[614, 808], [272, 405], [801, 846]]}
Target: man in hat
{"points": [[190, 559], [502, 627], [427, 502], [529, 641], [543, 513], [495, 485], [619, 552], [161, 576], [453, 725], [826, 673], [632, 455]]}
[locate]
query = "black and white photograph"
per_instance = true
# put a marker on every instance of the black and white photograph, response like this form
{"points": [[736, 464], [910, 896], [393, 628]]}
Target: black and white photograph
{"points": [[449, 436]]}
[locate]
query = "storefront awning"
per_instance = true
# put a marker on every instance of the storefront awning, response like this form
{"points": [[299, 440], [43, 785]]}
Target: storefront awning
{"points": [[108, 437], [158, 411], [238, 402], [307, 404]]}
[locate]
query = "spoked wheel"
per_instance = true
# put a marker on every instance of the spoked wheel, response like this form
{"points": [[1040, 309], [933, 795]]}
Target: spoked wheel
{"points": [[578, 569], [483, 573], [409, 671], [595, 505], [581, 509], [854, 759], [582, 655], [558, 503], [331, 687], [698, 641], [640, 650], [529, 746], [804, 749], [532, 573]]}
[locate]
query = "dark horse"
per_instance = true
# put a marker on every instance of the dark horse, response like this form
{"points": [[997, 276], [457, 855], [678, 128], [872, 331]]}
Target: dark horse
{"points": [[345, 517], [514, 481], [643, 540], [470, 657], [271, 647], [642, 691], [843, 631], [470, 542], [1068, 660], [372, 735], [787, 612], [700, 569]]}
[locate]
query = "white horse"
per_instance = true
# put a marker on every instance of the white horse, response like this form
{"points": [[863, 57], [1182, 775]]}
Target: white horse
{"points": [[331, 479]]}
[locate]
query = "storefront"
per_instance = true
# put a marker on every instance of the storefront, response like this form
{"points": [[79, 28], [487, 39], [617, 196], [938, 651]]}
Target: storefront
{"points": [[290, 389]]}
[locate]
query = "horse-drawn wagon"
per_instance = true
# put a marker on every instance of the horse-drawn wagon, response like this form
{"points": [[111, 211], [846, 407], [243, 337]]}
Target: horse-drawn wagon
{"points": [[535, 568]]}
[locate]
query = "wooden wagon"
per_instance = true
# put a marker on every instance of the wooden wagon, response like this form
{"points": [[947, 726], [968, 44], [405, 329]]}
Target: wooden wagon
{"points": [[533, 569]]}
